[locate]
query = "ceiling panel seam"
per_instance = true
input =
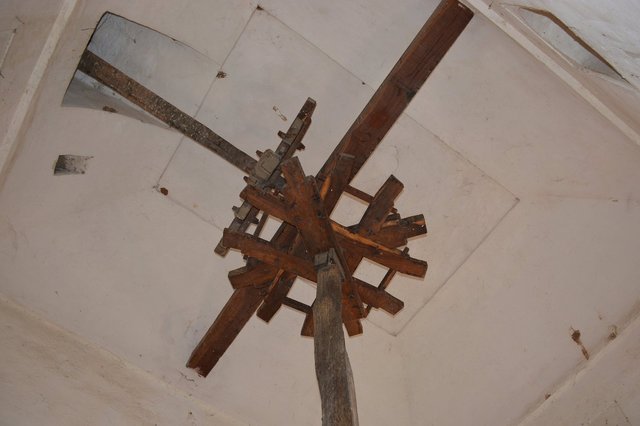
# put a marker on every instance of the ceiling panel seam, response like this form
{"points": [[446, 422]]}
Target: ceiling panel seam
{"points": [[202, 101], [306, 40], [464, 261], [442, 142]]}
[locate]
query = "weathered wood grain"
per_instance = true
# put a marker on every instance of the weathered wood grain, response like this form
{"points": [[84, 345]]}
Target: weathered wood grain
{"points": [[125, 86], [333, 371], [231, 319]]}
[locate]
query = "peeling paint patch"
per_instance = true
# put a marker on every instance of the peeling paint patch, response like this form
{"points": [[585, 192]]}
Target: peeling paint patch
{"points": [[575, 336], [71, 164]]}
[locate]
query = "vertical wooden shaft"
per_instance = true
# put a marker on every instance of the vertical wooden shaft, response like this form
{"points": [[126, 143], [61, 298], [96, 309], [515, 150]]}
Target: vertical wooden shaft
{"points": [[333, 371]]}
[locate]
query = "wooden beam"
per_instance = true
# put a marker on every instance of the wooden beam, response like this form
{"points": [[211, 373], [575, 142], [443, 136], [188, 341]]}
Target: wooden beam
{"points": [[234, 315], [267, 253], [298, 306], [396, 232], [305, 212], [378, 298], [333, 371], [275, 297], [313, 223], [100, 70], [391, 258], [330, 193], [290, 142], [405, 79], [299, 217], [386, 280]]}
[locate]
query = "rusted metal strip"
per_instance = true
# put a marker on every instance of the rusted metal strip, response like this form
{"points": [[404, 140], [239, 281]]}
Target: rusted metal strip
{"points": [[100, 70]]}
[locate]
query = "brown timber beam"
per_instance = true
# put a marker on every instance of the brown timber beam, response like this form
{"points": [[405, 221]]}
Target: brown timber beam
{"points": [[105, 73], [405, 79]]}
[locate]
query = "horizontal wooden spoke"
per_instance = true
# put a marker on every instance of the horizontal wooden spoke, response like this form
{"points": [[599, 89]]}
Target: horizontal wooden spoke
{"points": [[267, 253]]}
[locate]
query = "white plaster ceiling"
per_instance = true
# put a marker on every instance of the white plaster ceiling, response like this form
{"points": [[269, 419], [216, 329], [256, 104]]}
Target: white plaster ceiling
{"points": [[530, 194]]}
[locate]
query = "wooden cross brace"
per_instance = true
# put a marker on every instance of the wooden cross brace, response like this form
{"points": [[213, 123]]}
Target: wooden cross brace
{"points": [[305, 203]]}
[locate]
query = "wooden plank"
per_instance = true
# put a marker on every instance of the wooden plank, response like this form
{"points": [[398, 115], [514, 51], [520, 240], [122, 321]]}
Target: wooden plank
{"points": [[386, 280], [391, 258], [368, 248], [333, 371], [267, 253], [298, 306], [335, 184], [380, 207], [305, 213], [277, 292], [330, 193], [313, 223], [100, 70], [396, 232], [360, 195], [234, 315], [405, 79], [290, 142]]}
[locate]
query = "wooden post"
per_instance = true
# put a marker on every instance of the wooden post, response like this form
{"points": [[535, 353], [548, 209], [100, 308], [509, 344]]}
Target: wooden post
{"points": [[333, 371]]}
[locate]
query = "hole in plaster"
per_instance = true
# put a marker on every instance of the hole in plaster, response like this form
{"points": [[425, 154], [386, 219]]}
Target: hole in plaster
{"points": [[567, 42]]}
